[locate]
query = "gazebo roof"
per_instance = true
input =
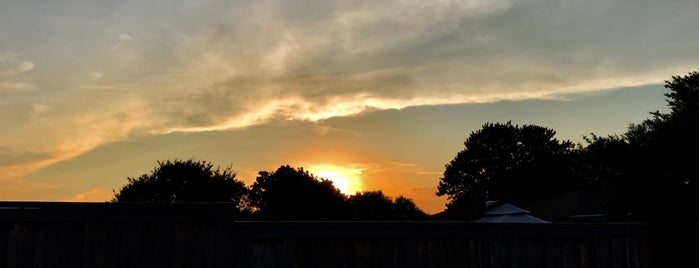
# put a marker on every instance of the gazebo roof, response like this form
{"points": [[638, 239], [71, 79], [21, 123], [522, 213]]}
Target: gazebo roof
{"points": [[501, 212]]}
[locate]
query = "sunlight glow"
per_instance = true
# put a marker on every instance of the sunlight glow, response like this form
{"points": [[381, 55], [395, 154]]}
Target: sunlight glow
{"points": [[347, 179]]}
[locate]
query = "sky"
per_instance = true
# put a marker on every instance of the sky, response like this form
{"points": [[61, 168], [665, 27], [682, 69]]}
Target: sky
{"points": [[377, 95]]}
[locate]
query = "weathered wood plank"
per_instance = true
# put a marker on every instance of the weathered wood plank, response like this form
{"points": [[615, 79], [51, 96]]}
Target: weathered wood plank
{"points": [[4, 239], [20, 246], [535, 252], [552, 252]]}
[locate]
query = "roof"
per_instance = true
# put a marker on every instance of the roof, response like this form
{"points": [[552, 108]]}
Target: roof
{"points": [[505, 209], [523, 218], [501, 212]]}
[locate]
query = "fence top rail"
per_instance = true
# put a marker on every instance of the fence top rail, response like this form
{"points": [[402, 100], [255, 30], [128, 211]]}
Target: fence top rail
{"points": [[19, 205], [225, 213], [106, 211]]}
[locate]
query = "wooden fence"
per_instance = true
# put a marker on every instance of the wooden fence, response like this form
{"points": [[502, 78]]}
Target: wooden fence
{"points": [[206, 235]]}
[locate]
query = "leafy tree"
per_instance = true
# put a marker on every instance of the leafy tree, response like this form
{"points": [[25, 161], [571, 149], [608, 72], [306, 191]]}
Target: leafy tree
{"points": [[607, 164], [184, 181], [371, 205], [406, 209], [653, 174], [507, 162], [374, 205], [294, 194]]}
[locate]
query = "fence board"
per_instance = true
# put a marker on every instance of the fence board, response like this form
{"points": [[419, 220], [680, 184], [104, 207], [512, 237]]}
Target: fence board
{"points": [[20, 246], [535, 252], [4, 239]]}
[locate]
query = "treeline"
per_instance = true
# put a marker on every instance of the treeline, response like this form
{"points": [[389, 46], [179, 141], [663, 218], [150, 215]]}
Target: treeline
{"points": [[285, 194], [648, 173]]}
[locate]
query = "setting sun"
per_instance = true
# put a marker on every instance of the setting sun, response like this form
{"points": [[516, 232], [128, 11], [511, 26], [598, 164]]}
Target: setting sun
{"points": [[347, 179]]}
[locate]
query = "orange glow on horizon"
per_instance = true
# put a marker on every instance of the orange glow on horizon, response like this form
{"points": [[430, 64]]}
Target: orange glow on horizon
{"points": [[347, 179]]}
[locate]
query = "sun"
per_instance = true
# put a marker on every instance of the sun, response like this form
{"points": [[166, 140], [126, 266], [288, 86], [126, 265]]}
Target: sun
{"points": [[346, 179]]}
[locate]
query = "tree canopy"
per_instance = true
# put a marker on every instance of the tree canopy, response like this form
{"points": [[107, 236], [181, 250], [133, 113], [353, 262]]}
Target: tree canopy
{"points": [[294, 194], [374, 205], [507, 162], [183, 181], [287, 193], [649, 173]]}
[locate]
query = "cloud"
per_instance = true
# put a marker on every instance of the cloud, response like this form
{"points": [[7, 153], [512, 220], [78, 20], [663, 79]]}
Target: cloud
{"points": [[59, 131], [10, 156], [396, 54], [20, 67], [93, 195], [219, 65], [95, 75], [40, 108], [124, 37], [327, 130], [11, 79], [15, 86], [25, 66]]}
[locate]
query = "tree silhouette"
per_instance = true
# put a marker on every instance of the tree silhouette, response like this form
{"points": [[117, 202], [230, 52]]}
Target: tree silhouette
{"points": [[294, 194], [607, 164], [183, 181], [406, 209], [507, 162], [653, 174], [374, 205]]}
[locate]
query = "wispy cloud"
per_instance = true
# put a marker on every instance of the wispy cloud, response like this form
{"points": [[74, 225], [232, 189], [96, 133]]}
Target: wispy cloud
{"points": [[25, 66], [327, 130], [13, 67], [10, 75], [93, 195], [123, 38], [94, 75], [393, 55], [10, 157], [219, 65], [59, 133]]}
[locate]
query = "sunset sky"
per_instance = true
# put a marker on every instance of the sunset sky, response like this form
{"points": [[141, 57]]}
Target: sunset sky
{"points": [[374, 94]]}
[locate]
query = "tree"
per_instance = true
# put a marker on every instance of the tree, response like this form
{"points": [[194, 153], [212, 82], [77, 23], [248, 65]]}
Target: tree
{"points": [[184, 181], [407, 210], [294, 194], [507, 162], [371, 205], [607, 165], [653, 175], [374, 205]]}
